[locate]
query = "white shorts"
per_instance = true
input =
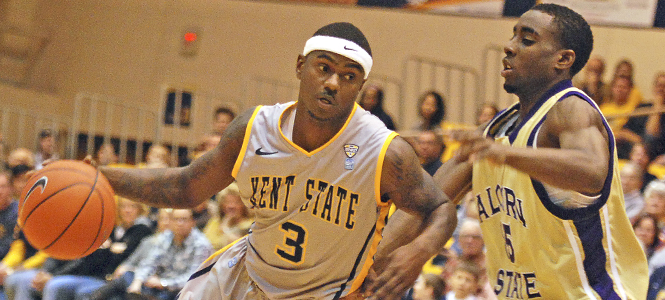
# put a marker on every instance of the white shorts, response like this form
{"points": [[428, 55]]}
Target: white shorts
{"points": [[223, 276]]}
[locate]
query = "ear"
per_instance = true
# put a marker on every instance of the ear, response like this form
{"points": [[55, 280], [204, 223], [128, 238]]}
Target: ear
{"points": [[565, 59], [300, 62]]}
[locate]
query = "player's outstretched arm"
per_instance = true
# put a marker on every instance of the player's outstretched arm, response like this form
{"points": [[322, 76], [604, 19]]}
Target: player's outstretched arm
{"points": [[572, 153], [185, 186], [412, 190]]}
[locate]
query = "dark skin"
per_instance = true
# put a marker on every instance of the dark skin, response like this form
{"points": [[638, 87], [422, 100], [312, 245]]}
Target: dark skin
{"points": [[573, 145], [329, 84]]}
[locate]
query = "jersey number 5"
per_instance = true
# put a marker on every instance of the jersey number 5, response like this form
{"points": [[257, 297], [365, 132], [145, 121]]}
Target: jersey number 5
{"points": [[510, 250], [295, 241]]}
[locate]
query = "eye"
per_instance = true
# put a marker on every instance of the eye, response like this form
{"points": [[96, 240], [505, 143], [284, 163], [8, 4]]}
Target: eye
{"points": [[349, 77], [527, 42], [324, 68]]}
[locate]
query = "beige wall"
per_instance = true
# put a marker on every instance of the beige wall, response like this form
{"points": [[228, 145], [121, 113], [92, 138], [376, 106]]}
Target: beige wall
{"points": [[129, 49]]}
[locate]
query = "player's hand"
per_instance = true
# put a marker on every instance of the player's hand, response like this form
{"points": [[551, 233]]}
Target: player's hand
{"points": [[400, 272], [88, 160], [474, 146]]}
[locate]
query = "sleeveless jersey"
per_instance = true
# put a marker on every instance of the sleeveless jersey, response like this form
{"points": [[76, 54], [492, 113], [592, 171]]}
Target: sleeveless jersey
{"points": [[319, 214], [536, 249]]}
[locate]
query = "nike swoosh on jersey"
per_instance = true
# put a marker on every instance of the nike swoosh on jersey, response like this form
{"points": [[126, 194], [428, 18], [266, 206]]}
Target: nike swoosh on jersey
{"points": [[259, 152]]}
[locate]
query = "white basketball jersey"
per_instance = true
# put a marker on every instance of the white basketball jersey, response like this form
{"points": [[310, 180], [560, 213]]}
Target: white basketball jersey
{"points": [[319, 214]]}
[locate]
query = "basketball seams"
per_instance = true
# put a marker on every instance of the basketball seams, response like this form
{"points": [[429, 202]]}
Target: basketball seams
{"points": [[74, 186], [101, 221], [25, 221], [92, 189]]}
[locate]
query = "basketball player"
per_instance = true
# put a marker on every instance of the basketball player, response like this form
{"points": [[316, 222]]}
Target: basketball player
{"points": [[319, 174], [544, 175]]}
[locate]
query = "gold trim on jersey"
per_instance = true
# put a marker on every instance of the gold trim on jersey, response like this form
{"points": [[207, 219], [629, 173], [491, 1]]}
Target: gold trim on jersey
{"points": [[380, 222], [379, 169], [309, 154], [245, 142], [220, 251], [369, 260]]}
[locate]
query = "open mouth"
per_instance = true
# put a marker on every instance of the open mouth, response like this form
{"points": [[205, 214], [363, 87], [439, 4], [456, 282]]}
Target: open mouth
{"points": [[507, 68], [326, 100]]}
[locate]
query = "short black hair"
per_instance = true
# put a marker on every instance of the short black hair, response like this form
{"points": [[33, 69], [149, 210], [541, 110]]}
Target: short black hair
{"points": [[45, 133], [574, 32], [347, 31], [225, 110]]}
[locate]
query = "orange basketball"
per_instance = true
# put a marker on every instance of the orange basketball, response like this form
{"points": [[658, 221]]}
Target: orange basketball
{"points": [[67, 209]]}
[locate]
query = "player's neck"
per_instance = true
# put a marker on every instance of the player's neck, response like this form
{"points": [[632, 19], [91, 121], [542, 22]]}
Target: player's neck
{"points": [[530, 96], [310, 134]]}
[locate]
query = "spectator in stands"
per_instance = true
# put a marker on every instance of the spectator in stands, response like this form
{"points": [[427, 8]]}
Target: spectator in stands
{"points": [[431, 110], [654, 201], [222, 118], [21, 256], [118, 285], [21, 156], [657, 284], [4, 149], [8, 212], [592, 79], [233, 220], [471, 250], [107, 155], [428, 287], [641, 156], [47, 148], [617, 104], [463, 282], [631, 183], [486, 113], [177, 255], [655, 124], [648, 233], [157, 157], [371, 99], [429, 147], [20, 176], [60, 280]]}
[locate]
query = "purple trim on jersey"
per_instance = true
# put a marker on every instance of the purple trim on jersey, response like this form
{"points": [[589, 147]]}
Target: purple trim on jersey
{"points": [[562, 85], [573, 214], [590, 232], [587, 219]]}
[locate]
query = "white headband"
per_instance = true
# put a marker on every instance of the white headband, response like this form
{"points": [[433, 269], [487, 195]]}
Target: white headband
{"points": [[342, 47]]}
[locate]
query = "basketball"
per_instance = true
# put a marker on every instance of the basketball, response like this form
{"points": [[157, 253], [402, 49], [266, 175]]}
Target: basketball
{"points": [[67, 209]]}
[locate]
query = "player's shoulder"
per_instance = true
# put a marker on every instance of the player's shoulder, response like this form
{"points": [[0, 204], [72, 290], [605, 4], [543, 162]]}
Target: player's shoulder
{"points": [[573, 110]]}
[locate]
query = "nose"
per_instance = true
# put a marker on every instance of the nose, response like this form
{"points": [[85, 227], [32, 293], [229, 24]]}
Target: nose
{"points": [[332, 83], [509, 49]]}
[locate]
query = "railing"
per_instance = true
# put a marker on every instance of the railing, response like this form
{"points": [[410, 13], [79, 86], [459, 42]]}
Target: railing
{"points": [[460, 86], [99, 119]]}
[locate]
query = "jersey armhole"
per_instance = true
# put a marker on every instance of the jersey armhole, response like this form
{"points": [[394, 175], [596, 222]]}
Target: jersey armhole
{"points": [[245, 142]]}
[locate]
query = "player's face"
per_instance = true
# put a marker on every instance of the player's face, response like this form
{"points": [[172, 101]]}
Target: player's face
{"points": [[531, 54], [329, 85]]}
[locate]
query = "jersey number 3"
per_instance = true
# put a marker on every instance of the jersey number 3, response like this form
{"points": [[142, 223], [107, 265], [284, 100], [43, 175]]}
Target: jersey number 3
{"points": [[295, 241]]}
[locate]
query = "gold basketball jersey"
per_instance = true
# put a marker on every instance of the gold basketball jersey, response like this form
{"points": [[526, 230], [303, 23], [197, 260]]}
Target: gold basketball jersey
{"points": [[319, 214], [536, 249]]}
